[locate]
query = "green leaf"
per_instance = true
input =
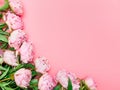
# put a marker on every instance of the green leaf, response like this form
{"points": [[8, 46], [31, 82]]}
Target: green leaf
{"points": [[1, 15], [83, 86], [5, 6], [2, 88], [4, 45], [3, 25], [69, 85], [31, 88], [1, 62], [16, 68], [58, 87], [5, 73], [8, 88], [4, 33], [34, 82], [29, 66], [3, 84], [17, 88], [2, 68], [12, 48], [35, 88], [3, 38], [34, 73]]}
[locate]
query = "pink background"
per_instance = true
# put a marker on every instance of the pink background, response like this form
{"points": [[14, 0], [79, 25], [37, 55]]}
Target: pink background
{"points": [[82, 36]]}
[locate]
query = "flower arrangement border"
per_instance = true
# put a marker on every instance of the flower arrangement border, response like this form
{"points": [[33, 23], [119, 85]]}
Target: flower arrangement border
{"points": [[19, 70]]}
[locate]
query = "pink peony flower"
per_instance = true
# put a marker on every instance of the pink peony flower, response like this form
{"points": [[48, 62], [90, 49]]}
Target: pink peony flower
{"points": [[46, 82], [16, 6], [76, 86], [13, 21], [16, 38], [63, 77], [90, 83], [10, 58], [26, 52], [23, 77], [42, 65]]}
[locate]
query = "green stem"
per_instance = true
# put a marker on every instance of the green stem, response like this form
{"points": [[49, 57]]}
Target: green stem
{"points": [[5, 79], [1, 16]]}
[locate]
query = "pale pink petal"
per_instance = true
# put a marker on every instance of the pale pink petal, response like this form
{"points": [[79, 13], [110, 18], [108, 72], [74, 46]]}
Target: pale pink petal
{"points": [[63, 77], [16, 6], [46, 82], [42, 65], [16, 38], [23, 77], [26, 52], [90, 83], [13, 21], [10, 58]]}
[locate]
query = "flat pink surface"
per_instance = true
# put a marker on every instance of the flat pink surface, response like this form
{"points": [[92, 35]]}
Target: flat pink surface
{"points": [[82, 36]]}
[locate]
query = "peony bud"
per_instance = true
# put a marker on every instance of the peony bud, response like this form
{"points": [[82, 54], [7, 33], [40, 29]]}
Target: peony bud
{"points": [[63, 77], [46, 82], [10, 58], [26, 52], [16, 6], [13, 21], [16, 38], [42, 65], [23, 77]]}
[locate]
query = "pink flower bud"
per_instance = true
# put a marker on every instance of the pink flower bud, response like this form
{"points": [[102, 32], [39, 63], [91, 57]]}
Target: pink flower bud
{"points": [[16, 38], [63, 77], [10, 58], [23, 77], [13, 21], [16, 6], [42, 65], [90, 83], [46, 82], [26, 52]]}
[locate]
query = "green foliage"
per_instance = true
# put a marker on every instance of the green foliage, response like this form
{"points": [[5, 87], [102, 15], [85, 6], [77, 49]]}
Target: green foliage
{"points": [[1, 16], [3, 38], [12, 49], [5, 86], [34, 73], [5, 6], [2, 25], [28, 66], [58, 87], [83, 86], [8, 88], [4, 45], [2, 68], [5, 73], [4, 33], [69, 85]]}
